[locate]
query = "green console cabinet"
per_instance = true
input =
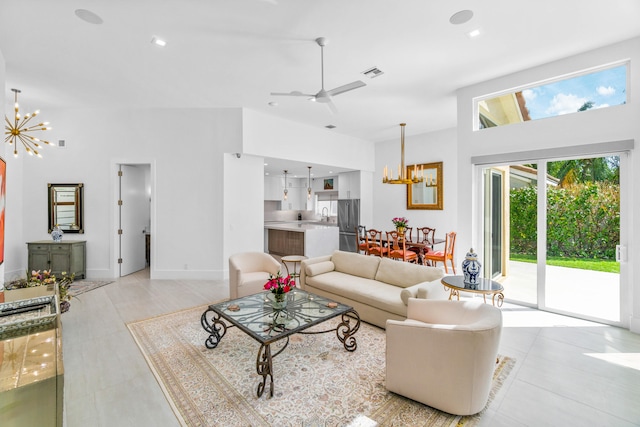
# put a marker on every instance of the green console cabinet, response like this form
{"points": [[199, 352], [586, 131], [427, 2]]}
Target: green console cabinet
{"points": [[67, 256]]}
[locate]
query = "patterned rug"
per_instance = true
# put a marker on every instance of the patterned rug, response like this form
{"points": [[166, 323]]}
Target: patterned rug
{"points": [[317, 382], [81, 286]]}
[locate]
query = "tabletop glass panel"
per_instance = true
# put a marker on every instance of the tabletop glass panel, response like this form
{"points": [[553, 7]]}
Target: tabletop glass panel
{"points": [[257, 318], [483, 284]]}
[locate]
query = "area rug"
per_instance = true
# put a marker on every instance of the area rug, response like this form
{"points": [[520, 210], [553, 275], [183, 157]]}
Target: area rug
{"points": [[81, 286], [317, 382]]}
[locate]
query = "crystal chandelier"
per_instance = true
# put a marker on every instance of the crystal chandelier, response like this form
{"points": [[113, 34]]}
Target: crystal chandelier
{"points": [[309, 185], [20, 130], [416, 176]]}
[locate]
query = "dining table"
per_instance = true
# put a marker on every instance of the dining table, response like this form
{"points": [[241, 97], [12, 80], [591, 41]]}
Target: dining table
{"points": [[421, 246]]}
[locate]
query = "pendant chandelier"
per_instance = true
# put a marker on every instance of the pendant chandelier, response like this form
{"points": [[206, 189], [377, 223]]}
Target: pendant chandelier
{"points": [[415, 177], [20, 130], [309, 185], [285, 184]]}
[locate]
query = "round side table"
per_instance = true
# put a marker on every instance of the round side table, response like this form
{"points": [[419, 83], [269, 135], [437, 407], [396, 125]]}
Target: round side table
{"points": [[456, 284], [295, 261]]}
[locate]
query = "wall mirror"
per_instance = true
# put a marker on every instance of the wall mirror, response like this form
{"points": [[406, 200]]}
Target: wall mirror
{"points": [[428, 193], [66, 208]]}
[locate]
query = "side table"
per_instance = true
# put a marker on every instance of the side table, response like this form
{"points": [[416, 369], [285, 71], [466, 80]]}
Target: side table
{"points": [[295, 261], [456, 284]]}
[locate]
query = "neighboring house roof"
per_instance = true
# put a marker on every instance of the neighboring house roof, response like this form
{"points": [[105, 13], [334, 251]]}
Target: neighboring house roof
{"points": [[522, 176]]}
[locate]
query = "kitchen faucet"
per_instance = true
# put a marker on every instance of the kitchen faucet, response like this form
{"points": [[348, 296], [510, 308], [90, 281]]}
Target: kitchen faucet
{"points": [[323, 215]]}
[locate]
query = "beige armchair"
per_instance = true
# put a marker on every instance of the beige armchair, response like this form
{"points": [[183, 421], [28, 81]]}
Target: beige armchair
{"points": [[444, 354], [249, 271]]}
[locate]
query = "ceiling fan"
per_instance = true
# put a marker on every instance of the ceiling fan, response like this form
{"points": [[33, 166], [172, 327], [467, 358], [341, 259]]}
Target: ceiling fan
{"points": [[324, 96]]}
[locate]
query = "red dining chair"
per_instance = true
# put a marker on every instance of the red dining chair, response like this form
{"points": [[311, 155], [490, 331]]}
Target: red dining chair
{"points": [[375, 245], [397, 245], [425, 236], [445, 255], [361, 239]]}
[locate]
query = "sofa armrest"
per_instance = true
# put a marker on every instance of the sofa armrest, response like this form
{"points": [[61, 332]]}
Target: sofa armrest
{"points": [[432, 290], [305, 263]]}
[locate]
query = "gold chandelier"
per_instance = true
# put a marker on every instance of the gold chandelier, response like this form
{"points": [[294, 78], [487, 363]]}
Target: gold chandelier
{"points": [[415, 177], [20, 130]]}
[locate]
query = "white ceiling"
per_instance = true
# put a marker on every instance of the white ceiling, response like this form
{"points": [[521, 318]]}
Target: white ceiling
{"points": [[233, 53]]}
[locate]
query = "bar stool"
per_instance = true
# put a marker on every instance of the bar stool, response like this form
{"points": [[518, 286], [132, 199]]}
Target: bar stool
{"points": [[295, 261]]}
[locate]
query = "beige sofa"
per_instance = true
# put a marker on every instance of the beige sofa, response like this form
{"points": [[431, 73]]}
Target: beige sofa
{"points": [[377, 288]]}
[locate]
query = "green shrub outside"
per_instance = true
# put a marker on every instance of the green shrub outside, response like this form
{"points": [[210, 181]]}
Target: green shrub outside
{"points": [[583, 221]]}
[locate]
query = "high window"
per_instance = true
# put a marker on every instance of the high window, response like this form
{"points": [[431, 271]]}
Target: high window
{"points": [[605, 87]]}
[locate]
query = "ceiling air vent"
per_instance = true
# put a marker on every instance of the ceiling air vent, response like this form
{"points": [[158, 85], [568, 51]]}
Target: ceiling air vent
{"points": [[372, 72], [62, 143], [330, 126]]}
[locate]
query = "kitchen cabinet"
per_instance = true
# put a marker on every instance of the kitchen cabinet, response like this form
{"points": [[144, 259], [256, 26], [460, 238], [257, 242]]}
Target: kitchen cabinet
{"points": [[349, 185], [66, 256], [283, 242], [273, 187]]}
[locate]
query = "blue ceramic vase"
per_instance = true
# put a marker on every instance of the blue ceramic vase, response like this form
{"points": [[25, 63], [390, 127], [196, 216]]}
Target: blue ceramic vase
{"points": [[471, 268]]}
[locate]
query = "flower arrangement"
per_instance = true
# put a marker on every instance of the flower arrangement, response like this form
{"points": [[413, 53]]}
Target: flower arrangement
{"points": [[400, 222], [279, 285], [45, 278]]}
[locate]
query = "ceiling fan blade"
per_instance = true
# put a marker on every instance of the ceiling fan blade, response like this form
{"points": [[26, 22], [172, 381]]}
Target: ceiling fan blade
{"points": [[346, 88], [293, 93], [332, 107]]}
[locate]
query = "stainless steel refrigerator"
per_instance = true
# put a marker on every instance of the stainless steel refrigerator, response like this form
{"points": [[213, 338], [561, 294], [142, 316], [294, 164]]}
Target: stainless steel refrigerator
{"points": [[348, 220]]}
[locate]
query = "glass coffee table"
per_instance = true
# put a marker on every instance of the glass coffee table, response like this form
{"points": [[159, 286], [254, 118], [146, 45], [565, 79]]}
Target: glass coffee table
{"points": [[255, 316], [456, 284]]}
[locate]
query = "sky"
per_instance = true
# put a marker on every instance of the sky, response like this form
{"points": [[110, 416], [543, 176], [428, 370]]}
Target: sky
{"points": [[604, 88]]}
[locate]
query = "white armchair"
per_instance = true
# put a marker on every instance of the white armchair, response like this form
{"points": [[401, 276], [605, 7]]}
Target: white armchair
{"points": [[249, 271], [444, 354]]}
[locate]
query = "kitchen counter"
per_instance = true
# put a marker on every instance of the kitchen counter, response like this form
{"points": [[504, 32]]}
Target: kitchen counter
{"points": [[310, 239]]}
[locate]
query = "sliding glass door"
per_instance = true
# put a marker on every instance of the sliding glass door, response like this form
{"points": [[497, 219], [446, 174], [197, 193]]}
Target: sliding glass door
{"points": [[551, 231]]}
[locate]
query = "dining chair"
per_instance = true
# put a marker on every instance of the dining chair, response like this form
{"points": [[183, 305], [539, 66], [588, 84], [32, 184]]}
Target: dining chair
{"points": [[375, 244], [397, 245], [361, 239], [425, 237], [446, 254]]}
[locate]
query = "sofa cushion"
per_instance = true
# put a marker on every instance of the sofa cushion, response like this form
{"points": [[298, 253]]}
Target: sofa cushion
{"points": [[370, 292], [355, 264], [319, 268], [405, 274]]}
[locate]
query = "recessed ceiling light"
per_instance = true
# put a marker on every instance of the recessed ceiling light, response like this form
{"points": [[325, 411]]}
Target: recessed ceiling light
{"points": [[273, 104], [330, 126], [88, 16], [461, 17], [158, 42], [474, 33]]}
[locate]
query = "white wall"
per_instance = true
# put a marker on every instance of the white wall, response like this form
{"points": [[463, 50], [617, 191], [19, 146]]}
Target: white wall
{"points": [[391, 200], [590, 127], [206, 203], [268, 136]]}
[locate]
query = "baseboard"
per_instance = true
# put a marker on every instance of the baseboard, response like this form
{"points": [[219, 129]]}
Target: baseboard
{"points": [[634, 324]]}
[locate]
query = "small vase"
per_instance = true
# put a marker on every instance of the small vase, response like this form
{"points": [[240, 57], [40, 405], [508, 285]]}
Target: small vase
{"points": [[278, 301], [401, 231], [471, 268], [56, 234]]}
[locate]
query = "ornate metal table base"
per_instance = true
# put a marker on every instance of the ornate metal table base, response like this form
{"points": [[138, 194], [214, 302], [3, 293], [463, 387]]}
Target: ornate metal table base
{"points": [[345, 331]]}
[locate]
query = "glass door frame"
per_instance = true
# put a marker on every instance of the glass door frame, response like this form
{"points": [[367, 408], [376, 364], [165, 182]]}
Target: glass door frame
{"points": [[541, 160]]}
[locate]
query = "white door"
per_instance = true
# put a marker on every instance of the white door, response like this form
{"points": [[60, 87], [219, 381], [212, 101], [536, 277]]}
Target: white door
{"points": [[134, 214]]}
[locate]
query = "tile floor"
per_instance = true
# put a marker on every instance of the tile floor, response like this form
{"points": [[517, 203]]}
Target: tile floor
{"points": [[569, 372]]}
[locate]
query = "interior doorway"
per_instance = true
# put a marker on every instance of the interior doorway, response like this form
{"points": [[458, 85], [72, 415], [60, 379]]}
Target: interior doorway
{"points": [[134, 217]]}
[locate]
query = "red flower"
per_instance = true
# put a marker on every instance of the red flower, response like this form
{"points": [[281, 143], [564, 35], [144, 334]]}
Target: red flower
{"points": [[278, 284]]}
